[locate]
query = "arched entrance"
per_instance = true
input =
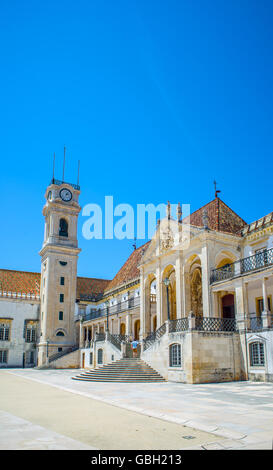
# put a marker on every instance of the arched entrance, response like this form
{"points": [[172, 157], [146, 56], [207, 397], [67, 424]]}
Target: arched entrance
{"points": [[136, 329], [228, 306], [154, 323], [122, 329]]}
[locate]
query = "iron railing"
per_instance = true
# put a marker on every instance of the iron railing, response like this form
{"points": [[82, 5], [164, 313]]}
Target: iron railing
{"points": [[99, 336], [260, 260], [62, 353], [215, 324], [117, 308], [116, 340], [152, 337], [180, 324], [59, 183]]}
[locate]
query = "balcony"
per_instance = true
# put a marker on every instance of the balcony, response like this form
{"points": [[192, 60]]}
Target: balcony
{"points": [[258, 261], [117, 308]]}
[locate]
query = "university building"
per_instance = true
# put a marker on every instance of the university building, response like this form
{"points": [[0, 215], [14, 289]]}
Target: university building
{"points": [[197, 298]]}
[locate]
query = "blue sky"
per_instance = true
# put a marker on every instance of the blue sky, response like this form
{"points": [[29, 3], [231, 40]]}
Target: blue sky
{"points": [[156, 99]]}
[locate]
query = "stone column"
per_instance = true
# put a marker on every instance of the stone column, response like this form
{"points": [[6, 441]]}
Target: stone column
{"points": [[142, 304], [81, 335], [265, 301], [179, 285], [128, 324], [158, 297], [205, 282], [240, 304], [119, 322]]}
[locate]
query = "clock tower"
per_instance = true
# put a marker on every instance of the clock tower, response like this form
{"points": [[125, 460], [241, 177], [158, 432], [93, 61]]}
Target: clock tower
{"points": [[59, 256]]}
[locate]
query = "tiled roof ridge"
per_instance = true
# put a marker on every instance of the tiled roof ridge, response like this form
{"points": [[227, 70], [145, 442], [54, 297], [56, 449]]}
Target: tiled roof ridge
{"points": [[95, 278], [19, 271]]}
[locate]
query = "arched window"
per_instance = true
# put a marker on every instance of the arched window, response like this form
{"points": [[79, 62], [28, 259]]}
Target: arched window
{"points": [[256, 352], [63, 228], [175, 355], [100, 356], [60, 333]]}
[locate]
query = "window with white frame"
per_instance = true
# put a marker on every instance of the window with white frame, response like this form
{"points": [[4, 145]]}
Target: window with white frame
{"points": [[4, 331], [175, 355], [256, 352], [30, 333]]}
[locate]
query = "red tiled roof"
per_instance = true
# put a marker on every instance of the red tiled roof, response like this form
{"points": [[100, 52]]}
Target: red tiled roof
{"points": [[90, 287], [220, 217], [129, 270], [29, 283], [19, 281]]}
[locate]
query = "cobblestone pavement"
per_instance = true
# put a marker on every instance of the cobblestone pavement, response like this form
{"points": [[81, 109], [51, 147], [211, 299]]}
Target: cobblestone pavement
{"points": [[237, 415]]}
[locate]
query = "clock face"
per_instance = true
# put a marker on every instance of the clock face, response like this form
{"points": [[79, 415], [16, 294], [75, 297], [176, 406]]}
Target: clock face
{"points": [[65, 194]]}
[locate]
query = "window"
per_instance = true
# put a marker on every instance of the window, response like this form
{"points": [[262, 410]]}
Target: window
{"points": [[91, 358], [60, 333], [4, 332], [175, 355], [62, 281], [61, 315], [3, 356], [256, 354], [100, 356], [61, 298], [60, 349], [260, 305], [63, 228], [30, 334]]}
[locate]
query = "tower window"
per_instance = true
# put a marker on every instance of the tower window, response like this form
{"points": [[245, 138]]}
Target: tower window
{"points": [[63, 228], [61, 315], [62, 281], [60, 333], [61, 298]]}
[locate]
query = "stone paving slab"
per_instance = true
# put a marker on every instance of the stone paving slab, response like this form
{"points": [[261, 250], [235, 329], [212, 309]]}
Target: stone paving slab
{"points": [[241, 412], [18, 434]]}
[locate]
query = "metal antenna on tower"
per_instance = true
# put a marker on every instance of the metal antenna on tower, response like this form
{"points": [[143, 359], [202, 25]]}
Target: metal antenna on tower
{"points": [[78, 183], [53, 167], [64, 163]]}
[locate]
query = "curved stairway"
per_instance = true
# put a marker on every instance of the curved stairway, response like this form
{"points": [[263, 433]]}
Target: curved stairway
{"points": [[124, 370]]}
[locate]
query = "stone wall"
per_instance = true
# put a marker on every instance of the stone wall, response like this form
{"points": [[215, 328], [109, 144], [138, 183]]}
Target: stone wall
{"points": [[18, 311], [68, 361], [205, 357]]}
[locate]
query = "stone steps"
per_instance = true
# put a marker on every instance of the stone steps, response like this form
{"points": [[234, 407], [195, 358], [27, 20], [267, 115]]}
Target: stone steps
{"points": [[124, 370]]}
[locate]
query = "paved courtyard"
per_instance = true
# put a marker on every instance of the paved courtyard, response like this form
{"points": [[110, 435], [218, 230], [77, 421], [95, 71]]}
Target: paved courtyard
{"points": [[45, 409]]}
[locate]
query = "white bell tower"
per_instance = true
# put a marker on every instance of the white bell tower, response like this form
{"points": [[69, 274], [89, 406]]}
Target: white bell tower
{"points": [[59, 257]]}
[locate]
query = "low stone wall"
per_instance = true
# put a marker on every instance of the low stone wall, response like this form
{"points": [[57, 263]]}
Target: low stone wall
{"points": [[110, 354]]}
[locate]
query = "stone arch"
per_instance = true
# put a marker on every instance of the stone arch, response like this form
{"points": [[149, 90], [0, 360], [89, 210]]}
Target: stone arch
{"points": [[224, 257], [136, 329], [122, 328], [170, 274], [193, 280]]}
